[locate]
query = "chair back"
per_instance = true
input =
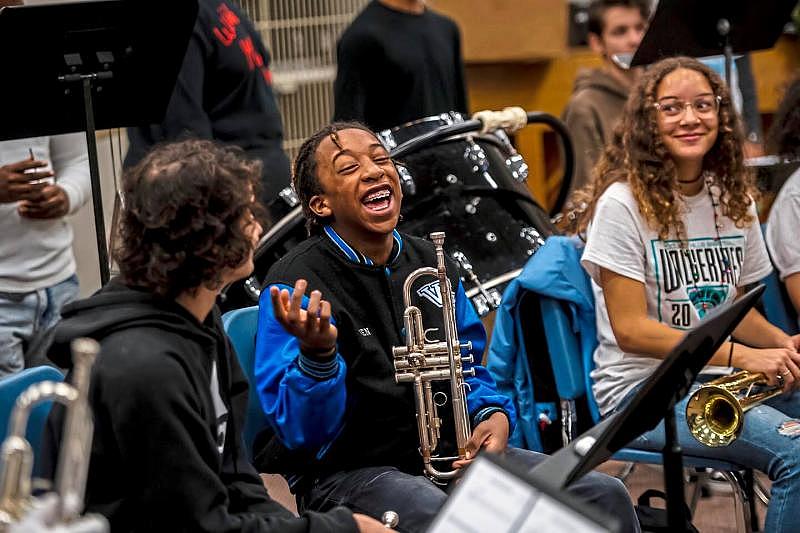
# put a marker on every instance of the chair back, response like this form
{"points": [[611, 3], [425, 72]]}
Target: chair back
{"points": [[778, 307], [11, 387], [241, 326], [571, 366]]}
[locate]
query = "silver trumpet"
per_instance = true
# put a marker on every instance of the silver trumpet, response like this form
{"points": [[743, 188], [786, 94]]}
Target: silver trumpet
{"points": [[16, 455], [422, 361]]}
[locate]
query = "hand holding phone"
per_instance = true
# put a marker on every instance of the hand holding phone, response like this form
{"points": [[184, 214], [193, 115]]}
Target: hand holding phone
{"points": [[24, 180]]}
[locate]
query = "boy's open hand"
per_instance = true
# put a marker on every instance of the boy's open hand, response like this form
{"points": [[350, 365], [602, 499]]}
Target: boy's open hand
{"points": [[311, 326]]}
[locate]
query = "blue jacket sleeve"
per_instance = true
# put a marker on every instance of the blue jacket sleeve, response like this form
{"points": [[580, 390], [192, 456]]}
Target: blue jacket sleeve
{"points": [[304, 399], [482, 395]]}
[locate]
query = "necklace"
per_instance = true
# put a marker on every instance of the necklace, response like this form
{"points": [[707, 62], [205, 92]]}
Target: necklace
{"points": [[686, 182], [727, 272]]}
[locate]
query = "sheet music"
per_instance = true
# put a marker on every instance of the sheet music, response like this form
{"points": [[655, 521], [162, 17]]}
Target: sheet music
{"points": [[491, 499]]}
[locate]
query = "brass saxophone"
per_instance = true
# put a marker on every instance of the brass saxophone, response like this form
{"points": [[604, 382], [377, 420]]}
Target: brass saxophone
{"points": [[422, 361], [16, 455]]}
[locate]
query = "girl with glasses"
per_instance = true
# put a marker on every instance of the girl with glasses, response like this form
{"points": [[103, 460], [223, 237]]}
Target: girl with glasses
{"points": [[671, 233]]}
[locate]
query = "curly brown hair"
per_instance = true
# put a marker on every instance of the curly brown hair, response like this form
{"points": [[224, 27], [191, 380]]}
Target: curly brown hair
{"points": [[784, 134], [637, 155], [304, 173], [186, 208]]}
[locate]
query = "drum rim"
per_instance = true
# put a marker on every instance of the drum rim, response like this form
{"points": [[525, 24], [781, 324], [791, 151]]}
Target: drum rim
{"points": [[454, 117]]}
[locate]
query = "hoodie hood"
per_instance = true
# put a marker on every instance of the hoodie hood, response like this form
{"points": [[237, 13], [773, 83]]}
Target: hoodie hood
{"points": [[600, 80], [115, 307]]}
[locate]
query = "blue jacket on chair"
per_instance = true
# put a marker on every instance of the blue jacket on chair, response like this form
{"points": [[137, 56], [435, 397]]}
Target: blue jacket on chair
{"points": [[553, 271]]}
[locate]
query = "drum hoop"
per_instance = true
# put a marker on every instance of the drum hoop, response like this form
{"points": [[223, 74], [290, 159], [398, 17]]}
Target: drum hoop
{"points": [[490, 284], [452, 117], [290, 218], [387, 135]]}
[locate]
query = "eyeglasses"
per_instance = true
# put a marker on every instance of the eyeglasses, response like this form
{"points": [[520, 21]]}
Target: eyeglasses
{"points": [[673, 110]]}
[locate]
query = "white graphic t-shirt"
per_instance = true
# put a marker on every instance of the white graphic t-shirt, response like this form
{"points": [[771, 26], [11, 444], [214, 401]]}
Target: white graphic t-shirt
{"points": [[683, 279], [784, 220]]}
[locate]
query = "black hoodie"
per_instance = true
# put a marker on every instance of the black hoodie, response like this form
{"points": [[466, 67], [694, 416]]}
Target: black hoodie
{"points": [[156, 463]]}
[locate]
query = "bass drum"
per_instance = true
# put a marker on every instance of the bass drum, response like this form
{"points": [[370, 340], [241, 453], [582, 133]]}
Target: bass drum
{"points": [[473, 187]]}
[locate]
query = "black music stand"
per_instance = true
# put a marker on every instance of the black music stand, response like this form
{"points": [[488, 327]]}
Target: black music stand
{"points": [[655, 400], [90, 65], [700, 28]]}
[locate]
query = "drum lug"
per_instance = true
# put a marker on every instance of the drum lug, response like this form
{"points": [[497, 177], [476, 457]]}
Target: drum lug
{"points": [[518, 168], [472, 206], [387, 138], [252, 288], [288, 195], [406, 180], [533, 237], [486, 302]]}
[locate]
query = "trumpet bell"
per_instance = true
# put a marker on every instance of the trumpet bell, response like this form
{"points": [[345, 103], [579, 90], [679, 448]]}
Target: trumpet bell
{"points": [[714, 416]]}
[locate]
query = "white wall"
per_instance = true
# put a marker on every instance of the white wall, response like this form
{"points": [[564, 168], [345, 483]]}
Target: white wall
{"points": [[85, 244]]}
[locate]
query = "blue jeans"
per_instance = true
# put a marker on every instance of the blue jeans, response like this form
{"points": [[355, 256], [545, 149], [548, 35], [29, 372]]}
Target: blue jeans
{"points": [[374, 490], [24, 313], [761, 446]]}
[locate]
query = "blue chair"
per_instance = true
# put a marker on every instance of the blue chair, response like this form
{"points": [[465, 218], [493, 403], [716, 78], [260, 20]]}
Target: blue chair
{"points": [[11, 387], [778, 307], [241, 325], [573, 382]]}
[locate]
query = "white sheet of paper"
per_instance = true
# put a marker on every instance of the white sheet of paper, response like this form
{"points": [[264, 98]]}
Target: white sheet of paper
{"points": [[491, 499]]}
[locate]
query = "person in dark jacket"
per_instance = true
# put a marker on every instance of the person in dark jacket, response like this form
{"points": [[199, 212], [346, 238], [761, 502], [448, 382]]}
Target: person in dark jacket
{"points": [[167, 392], [398, 61], [224, 92], [324, 367], [615, 27]]}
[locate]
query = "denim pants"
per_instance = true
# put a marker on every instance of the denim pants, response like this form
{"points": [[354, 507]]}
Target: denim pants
{"points": [[767, 443], [24, 313], [374, 490]]}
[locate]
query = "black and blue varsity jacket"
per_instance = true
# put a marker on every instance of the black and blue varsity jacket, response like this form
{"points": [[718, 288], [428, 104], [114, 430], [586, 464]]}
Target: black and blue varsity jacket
{"points": [[347, 412]]}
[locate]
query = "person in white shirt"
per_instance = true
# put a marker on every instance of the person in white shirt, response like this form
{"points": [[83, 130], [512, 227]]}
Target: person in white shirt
{"points": [[42, 180], [784, 217], [671, 233]]}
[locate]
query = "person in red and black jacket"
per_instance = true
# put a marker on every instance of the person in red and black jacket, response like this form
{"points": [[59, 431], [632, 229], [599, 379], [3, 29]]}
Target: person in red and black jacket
{"points": [[224, 92]]}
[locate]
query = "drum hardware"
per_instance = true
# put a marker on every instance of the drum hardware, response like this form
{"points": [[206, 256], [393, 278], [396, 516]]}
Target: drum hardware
{"points": [[494, 282], [406, 180], [387, 139], [421, 361], [471, 207], [486, 301], [532, 236], [252, 288], [518, 168], [288, 195], [477, 157], [390, 519]]}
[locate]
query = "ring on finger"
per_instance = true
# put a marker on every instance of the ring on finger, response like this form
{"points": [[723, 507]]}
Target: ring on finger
{"points": [[784, 374]]}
